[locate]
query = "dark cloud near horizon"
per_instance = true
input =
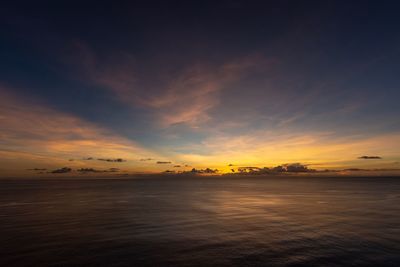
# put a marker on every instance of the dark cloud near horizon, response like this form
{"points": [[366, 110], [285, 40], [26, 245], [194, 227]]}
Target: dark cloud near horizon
{"points": [[87, 170], [193, 171], [300, 168], [112, 160], [248, 168], [370, 157], [297, 167], [164, 162], [206, 171], [62, 170], [177, 166], [284, 168]]}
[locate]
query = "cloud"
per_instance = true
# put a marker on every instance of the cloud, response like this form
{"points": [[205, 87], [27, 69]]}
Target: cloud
{"points": [[37, 169], [163, 162], [203, 171], [89, 158], [297, 167], [177, 166], [62, 170], [113, 160], [284, 168], [369, 157], [146, 159], [302, 168], [116, 72], [190, 96], [87, 170], [186, 97], [248, 169]]}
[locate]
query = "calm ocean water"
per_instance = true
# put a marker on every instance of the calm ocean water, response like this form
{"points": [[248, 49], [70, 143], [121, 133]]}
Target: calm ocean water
{"points": [[198, 221]]}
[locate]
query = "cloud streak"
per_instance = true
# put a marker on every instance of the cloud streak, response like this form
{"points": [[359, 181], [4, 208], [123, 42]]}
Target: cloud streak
{"points": [[369, 157], [62, 170], [92, 170], [113, 160], [146, 159]]}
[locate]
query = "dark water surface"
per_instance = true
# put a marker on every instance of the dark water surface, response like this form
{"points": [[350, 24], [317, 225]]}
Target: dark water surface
{"points": [[191, 221]]}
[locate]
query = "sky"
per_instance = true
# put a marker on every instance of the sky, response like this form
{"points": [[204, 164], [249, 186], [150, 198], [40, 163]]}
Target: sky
{"points": [[149, 86]]}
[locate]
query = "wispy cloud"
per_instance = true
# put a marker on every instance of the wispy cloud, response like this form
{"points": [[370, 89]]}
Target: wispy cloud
{"points": [[185, 97], [188, 97]]}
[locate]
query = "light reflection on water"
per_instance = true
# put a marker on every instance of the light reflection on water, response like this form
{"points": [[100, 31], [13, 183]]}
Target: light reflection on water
{"points": [[189, 221]]}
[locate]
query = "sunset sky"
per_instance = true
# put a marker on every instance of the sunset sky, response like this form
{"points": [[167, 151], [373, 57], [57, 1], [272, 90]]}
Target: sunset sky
{"points": [[176, 85]]}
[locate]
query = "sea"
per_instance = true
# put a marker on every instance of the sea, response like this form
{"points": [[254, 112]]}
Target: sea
{"points": [[186, 220]]}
